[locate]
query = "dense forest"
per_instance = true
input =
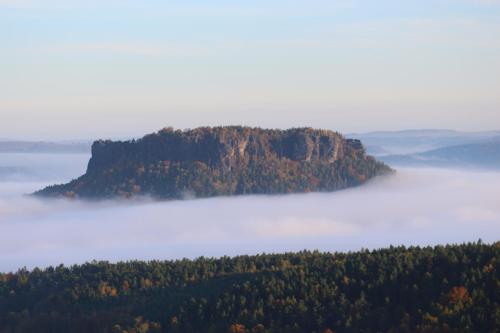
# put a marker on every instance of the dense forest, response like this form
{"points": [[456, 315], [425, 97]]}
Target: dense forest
{"points": [[453, 288], [211, 161]]}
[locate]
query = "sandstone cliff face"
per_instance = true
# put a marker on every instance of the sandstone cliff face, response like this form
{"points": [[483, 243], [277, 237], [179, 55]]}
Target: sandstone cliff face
{"points": [[222, 146], [222, 161]]}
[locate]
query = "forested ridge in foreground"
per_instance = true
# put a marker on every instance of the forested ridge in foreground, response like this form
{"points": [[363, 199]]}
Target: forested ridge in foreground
{"points": [[451, 288], [230, 160]]}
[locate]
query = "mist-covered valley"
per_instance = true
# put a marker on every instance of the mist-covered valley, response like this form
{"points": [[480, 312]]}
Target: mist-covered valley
{"points": [[415, 206], [249, 166]]}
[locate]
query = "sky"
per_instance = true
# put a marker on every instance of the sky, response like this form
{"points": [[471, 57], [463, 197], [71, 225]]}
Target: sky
{"points": [[97, 69]]}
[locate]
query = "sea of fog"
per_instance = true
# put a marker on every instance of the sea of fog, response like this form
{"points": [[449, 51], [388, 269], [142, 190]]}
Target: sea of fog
{"points": [[413, 207]]}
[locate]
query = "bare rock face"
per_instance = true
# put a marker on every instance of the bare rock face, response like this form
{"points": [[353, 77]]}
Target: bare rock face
{"points": [[210, 161]]}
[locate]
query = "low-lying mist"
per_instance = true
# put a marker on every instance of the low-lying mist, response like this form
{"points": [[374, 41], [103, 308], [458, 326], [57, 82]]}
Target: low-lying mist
{"points": [[46, 167], [412, 207]]}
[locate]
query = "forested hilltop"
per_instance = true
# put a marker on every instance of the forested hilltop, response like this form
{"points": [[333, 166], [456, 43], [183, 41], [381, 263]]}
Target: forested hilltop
{"points": [[441, 289], [211, 161]]}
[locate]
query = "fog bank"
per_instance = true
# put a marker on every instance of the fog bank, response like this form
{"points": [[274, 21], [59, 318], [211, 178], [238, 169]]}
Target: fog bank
{"points": [[413, 207]]}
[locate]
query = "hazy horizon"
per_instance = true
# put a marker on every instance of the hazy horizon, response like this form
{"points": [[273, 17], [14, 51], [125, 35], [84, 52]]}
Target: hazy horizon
{"points": [[59, 139]]}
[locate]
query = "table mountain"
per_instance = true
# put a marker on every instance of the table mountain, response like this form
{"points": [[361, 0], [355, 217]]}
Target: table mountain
{"points": [[212, 161]]}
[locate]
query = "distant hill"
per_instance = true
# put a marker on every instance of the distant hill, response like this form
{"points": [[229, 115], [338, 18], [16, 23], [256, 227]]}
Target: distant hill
{"points": [[479, 155], [12, 146], [204, 162], [418, 141]]}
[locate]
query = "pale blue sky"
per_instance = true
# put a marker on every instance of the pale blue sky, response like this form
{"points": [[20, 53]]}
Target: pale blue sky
{"points": [[88, 69]]}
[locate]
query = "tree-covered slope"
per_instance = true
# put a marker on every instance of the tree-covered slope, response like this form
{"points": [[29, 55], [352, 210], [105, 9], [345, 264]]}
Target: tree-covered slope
{"points": [[214, 161], [441, 289]]}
